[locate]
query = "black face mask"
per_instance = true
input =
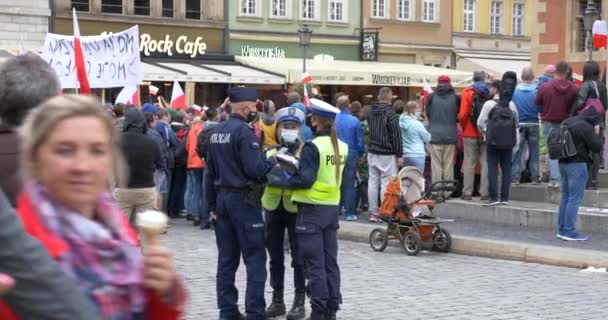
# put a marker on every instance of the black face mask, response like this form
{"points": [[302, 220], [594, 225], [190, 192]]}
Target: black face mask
{"points": [[252, 116]]}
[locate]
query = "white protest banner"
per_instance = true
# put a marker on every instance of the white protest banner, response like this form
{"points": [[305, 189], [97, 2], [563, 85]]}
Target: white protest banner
{"points": [[111, 60]]}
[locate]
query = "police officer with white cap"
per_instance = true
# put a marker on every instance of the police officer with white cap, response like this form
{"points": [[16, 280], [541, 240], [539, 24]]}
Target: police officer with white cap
{"points": [[235, 170], [281, 214], [317, 194]]}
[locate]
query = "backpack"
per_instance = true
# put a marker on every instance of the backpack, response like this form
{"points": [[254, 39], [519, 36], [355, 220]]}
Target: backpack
{"points": [[477, 105], [594, 103], [560, 144], [202, 143], [181, 152], [501, 130]]}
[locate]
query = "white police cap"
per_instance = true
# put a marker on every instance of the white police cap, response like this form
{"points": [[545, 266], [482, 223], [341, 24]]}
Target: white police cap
{"points": [[290, 114], [323, 109]]}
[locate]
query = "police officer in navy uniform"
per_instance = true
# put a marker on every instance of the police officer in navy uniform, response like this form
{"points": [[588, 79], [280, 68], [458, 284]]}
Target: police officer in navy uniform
{"points": [[236, 168], [317, 193], [281, 214]]}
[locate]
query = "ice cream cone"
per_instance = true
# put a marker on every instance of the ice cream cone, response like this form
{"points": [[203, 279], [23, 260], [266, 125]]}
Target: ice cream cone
{"points": [[151, 225]]}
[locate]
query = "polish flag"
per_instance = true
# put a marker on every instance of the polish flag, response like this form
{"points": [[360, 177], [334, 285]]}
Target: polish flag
{"points": [[306, 80], [81, 70], [153, 90], [600, 34], [128, 95], [426, 90], [178, 98]]}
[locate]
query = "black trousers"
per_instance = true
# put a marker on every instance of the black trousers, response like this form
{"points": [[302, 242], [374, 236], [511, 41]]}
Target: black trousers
{"points": [[177, 191], [502, 158]]}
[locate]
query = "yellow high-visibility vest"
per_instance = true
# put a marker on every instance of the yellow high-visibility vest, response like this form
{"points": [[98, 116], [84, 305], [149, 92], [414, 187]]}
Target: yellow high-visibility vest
{"points": [[326, 190], [273, 195]]}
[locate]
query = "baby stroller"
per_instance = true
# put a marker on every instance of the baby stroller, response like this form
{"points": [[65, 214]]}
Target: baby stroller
{"points": [[407, 210]]}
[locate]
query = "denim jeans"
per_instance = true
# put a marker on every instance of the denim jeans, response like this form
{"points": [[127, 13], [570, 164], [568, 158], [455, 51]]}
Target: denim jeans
{"points": [[528, 135], [554, 170], [495, 158], [574, 177], [194, 199], [417, 162], [349, 189]]}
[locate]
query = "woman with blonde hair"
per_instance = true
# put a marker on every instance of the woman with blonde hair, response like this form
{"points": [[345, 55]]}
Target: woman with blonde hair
{"points": [[71, 159]]}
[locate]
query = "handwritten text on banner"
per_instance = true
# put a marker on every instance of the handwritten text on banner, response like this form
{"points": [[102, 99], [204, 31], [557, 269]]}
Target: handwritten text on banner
{"points": [[111, 60]]}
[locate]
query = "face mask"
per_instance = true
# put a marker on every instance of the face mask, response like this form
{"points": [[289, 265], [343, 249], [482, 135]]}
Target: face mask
{"points": [[289, 136], [252, 116]]}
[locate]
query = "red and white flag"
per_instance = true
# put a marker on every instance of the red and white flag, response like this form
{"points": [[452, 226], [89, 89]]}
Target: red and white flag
{"points": [[178, 98], [306, 80], [426, 90], [600, 34], [153, 90], [128, 95], [81, 70]]}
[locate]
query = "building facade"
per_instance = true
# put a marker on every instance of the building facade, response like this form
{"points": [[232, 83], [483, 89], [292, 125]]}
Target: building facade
{"points": [[268, 28], [554, 40], [494, 35], [23, 25], [411, 31]]}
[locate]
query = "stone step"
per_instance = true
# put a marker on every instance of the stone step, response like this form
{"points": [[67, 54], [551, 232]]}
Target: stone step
{"points": [[544, 193], [602, 179], [522, 214]]}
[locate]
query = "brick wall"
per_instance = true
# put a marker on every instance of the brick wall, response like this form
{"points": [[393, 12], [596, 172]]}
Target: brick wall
{"points": [[23, 22]]}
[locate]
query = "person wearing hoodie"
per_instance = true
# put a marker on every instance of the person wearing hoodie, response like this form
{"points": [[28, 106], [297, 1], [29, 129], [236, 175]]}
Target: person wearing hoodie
{"points": [[442, 113], [548, 76], [414, 135], [143, 157], [160, 175], [556, 99], [527, 110], [592, 88], [268, 125], [574, 172], [474, 148], [385, 149]]}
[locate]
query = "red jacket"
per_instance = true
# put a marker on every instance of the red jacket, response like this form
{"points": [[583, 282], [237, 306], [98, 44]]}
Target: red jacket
{"points": [[194, 161], [156, 309], [469, 130]]}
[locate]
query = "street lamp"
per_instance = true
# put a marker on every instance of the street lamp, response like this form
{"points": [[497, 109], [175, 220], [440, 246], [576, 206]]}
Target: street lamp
{"points": [[304, 35], [590, 15]]}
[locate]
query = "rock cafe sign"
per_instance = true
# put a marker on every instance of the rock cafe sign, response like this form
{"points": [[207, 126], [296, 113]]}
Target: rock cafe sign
{"points": [[182, 46]]}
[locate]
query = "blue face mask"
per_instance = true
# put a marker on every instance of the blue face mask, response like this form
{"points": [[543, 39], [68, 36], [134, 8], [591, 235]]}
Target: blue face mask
{"points": [[289, 136]]}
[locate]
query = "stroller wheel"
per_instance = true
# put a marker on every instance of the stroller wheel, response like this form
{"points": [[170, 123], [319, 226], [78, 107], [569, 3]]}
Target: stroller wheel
{"points": [[411, 243], [378, 239], [442, 240]]}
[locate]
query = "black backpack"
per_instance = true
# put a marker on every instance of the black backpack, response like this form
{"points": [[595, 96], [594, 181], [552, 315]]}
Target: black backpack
{"points": [[181, 152], [202, 143], [501, 130], [478, 101], [560, 144]]}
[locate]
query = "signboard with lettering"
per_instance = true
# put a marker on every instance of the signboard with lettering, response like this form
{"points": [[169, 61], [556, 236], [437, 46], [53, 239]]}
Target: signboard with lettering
{"points": [[111, 60], [271, 53], [168, 46]]}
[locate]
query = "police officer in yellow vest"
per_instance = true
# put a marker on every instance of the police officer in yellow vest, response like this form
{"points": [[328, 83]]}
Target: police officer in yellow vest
{"points": [[317, 193], [281, 214]]}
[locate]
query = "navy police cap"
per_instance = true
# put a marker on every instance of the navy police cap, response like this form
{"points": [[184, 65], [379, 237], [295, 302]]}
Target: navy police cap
{"points": [[241, 94]]}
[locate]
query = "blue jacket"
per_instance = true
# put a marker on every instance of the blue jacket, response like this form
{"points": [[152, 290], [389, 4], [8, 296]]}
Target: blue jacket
{"points": [[414, 136], [350, 132], [542, 79], [523, 97]]}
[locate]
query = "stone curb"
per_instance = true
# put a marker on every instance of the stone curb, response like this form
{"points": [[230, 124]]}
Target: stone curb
{"points": [[527, 252]]}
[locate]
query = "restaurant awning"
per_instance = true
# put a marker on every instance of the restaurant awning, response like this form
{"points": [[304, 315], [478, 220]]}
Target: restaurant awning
{"points": [[207, 72], [493, 63], [363, 73]]}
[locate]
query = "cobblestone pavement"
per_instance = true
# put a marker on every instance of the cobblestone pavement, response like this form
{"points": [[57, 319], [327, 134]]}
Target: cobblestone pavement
{"points": [[391, 285]]}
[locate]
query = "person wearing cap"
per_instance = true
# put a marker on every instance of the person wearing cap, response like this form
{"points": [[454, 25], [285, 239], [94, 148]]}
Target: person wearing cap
{"points": [[235, 170], [281, 214], [316, 186], [442, 112]]}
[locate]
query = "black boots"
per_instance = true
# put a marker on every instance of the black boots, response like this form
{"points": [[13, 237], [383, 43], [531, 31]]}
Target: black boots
{"points": [[298, 310], [318, 315], [277, 307]]}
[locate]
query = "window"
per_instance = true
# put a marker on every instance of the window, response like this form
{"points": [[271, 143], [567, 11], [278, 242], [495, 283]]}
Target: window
{"points": [[279, 8], [337, 10], [581, 35], [429, 11], [248, 7], [309, 8], [141, 7], [193, 9], [111, 6], [496, 17], [81, 5], [167, 8], [379, 8], [469, 15], [404, 9], [518, 19]]}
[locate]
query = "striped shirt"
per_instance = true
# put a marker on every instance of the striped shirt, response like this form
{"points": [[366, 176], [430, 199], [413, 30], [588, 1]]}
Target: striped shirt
{"points": [[384, 132]]}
